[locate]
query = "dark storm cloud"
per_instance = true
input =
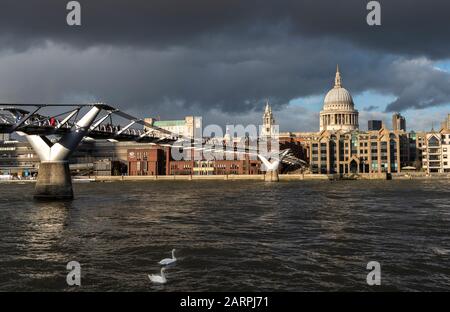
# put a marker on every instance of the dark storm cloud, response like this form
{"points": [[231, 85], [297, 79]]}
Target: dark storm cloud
{"points": [[214, 77], [408, 26], [419, 85], [196, 56]]}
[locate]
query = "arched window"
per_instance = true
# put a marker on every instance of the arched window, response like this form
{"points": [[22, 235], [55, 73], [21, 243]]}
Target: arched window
{"points": [[433, 141]]}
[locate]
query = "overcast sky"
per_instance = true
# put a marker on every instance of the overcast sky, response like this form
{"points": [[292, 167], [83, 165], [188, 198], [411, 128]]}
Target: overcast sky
{"points": [[222, 59]]}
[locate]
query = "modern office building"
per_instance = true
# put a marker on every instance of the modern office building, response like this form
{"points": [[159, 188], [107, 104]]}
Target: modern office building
{"points": [[18, 159], [191, 126], [374, 125], [416, 142], [446, 123], [398, 122], [4, 137]]}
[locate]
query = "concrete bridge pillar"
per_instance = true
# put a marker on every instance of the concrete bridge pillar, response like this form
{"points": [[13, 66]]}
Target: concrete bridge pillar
{"points": [[271, 176], [271, 166], [54, 180]]}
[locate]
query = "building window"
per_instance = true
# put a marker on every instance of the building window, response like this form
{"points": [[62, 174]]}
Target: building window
{"points": [[433, 142]]}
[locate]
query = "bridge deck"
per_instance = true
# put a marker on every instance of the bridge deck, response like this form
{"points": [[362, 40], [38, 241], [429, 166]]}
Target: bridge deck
{"points": [[26, 119]]}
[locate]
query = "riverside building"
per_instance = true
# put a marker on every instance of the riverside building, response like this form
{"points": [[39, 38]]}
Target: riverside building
{"points": [[356, 152], [340, 148], [436, 152]]}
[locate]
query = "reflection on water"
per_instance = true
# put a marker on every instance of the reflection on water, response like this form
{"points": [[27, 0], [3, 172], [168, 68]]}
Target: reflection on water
{"points": [[294, 236]]}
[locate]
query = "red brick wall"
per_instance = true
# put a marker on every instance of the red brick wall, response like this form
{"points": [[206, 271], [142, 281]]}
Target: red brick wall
{"points": [[146, 161], [221, 167]]}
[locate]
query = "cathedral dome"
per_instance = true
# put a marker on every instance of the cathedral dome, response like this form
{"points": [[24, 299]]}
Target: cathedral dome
{"points": [[338, 98], [338, 109]]}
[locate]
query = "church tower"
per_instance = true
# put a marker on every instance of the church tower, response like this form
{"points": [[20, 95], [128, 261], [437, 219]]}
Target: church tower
{"points": [[268, 121]]}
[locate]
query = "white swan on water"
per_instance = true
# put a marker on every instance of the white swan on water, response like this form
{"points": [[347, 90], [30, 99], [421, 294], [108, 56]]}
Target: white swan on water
{"points": [[168, 261], [158, 279], [440, 251]]}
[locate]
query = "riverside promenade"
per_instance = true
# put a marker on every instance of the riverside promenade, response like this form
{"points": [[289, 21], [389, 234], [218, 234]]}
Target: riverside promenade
{"points": [[256, 177], [260, 177]]}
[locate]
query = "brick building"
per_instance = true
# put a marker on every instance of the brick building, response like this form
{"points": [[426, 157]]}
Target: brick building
{"points": [[215, 167], [157, 161], [149, 161]]}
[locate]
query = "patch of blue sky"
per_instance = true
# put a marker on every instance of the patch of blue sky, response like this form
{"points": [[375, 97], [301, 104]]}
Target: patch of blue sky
{"points": [[443, 65]]}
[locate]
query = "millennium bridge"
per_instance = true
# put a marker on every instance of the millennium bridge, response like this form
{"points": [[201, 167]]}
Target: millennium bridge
{"points": [[71, 123]]}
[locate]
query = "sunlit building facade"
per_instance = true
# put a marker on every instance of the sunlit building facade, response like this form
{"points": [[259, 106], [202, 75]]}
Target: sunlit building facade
{"points": [[436, 152], [340, 148], [357, 152]]}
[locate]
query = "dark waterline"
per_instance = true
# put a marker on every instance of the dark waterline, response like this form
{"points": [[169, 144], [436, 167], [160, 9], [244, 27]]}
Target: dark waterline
{"points": [[288, 236]]}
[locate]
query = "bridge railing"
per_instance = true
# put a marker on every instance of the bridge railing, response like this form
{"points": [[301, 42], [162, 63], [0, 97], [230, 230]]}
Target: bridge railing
{"points": [[111, 122]]}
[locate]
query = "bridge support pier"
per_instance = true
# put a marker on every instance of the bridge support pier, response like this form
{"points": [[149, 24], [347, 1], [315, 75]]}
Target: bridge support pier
{"points": [[271, 167], [271, 176], [54, 181]]}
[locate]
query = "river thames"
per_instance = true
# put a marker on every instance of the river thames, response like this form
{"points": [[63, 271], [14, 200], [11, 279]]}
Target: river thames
{"points": [[229, 236]]}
